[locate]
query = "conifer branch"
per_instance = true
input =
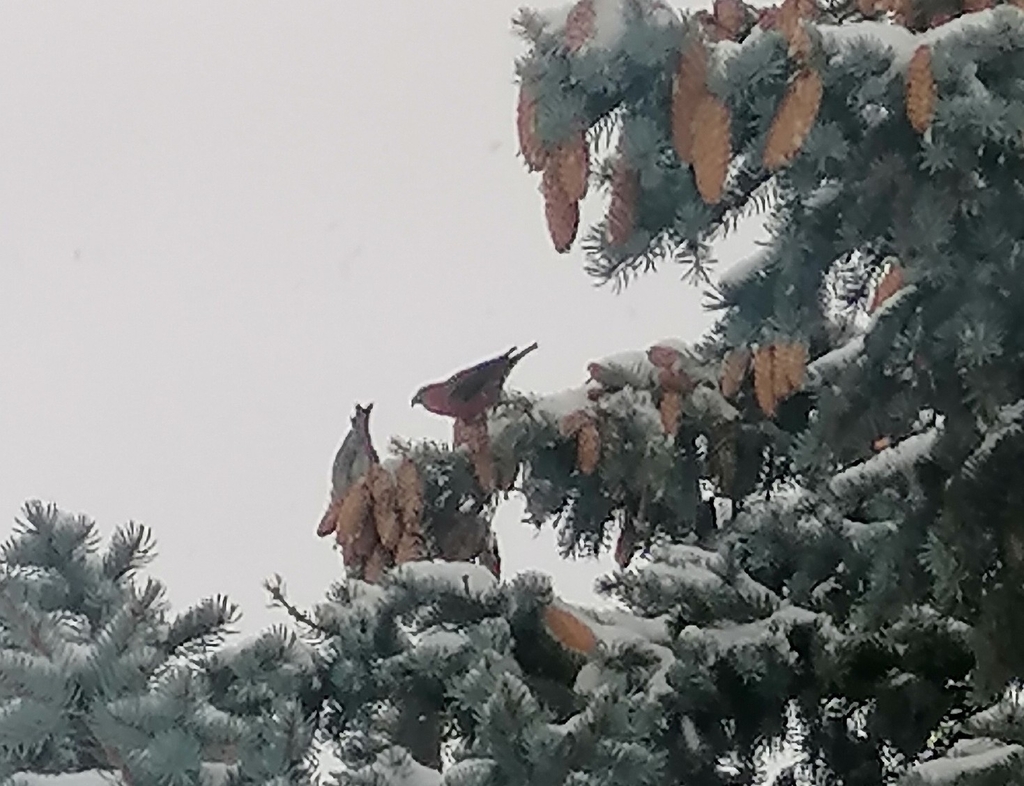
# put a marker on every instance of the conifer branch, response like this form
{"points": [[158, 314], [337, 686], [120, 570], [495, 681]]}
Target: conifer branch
{"points": [[275, 588]]}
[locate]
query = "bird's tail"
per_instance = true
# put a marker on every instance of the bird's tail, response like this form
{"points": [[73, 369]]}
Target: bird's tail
{"points": [[515, 357]]}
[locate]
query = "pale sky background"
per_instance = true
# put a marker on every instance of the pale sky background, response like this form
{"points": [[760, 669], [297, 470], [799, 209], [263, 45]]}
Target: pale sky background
{"points": [[222, 224]]}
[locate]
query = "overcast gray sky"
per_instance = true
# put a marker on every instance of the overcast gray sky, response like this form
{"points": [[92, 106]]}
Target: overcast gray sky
{"points": [[221, 224]]}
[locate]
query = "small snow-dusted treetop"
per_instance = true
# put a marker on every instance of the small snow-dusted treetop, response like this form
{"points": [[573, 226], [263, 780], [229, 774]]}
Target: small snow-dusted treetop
{"points": [[98, 678]]}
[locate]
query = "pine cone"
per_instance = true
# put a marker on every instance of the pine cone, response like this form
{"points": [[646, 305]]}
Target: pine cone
{"points": [[794, 120], [570, 425], [385, 506], [410, 549], [734, 370], [409, 493], [353, 515], [731, 16], [671, 409], [526, 125], [675, 381], [791, 12], [588, 447], [329, 522], [788, 18], [580, 25], [483, 466], [688, 88], [664, 357], [378, 562], [890, 284], [625, 546], [714, 31], [573, 161], [789, 365], [475, 437], [712, 147], [569, 630], [921, 91], [800, 45], [562, 212], [868, 8], [461, 433], [622, 208], [764, 383], [357, 551]]}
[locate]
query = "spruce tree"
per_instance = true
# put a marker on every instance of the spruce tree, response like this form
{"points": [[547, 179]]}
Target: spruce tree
{"points": [[815, 507]]}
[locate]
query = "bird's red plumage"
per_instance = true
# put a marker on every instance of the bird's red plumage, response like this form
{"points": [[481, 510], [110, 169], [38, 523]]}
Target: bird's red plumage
{"points": [[469, 393]]}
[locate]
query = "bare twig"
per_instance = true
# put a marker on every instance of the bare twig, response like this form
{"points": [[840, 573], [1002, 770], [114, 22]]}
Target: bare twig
{"points": [[275, 587]]}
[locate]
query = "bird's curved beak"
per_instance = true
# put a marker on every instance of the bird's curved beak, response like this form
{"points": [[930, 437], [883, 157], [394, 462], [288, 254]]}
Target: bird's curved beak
{"points": [[417, 399]]}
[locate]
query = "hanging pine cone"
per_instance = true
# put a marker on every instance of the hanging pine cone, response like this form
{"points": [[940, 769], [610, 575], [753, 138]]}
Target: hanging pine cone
{"points": [[385, 506], [688, 88], [353, 513], [357, 548], [671, 410], [526, 126], [794, 120], [792, 11], [581, 424], [622, 208], [410, 548], [461, 433], [664, 357], [571, 632], [573, 161], [483, 466], [625, 546], [790, 22], [712, 147], [890, 284], [675, 380], [588, 448], [379, 561], [732, 16], [799, 44], [475, 437], [764, 383], [409, 494], [921, 90], [789, 365], [734, 371], [580, 25], [570, 425], [561, 212], [329, 522]]}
